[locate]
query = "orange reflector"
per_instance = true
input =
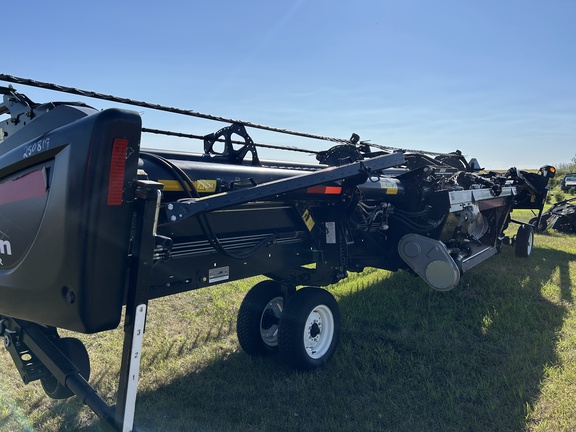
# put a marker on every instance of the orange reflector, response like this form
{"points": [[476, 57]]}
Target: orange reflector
{"points": [[117, 168], [326, 190]]}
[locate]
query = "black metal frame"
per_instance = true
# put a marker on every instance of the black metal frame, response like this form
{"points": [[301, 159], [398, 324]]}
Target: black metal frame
{"points": [[37, 342]]}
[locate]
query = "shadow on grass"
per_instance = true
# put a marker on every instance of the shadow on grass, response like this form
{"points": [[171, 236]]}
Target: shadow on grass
{"points": [[71, 414], [409, 359], [469, 360]]}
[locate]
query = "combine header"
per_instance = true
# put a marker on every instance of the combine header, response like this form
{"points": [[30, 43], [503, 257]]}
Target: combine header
{"points": [[91, 222]]}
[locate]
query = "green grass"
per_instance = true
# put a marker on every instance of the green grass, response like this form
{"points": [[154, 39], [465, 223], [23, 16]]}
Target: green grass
{"points": [[498, 353]]}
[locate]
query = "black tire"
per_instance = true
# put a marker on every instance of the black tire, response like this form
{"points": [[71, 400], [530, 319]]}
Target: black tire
{"points": [[543, 223], [259, 317], [309, 329], [524, 241], [76, 352]]}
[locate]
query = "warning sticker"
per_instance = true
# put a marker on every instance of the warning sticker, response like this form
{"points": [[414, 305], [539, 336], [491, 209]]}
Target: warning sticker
{"points": [[307, 218], [390, 186], [205, 185]]}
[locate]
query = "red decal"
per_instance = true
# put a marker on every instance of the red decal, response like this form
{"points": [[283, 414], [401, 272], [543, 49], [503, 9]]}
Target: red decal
{"points": [[326, 190], [31, 185]]}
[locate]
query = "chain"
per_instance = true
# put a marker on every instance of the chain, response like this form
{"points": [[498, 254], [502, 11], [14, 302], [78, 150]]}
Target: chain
{"points": [[95, 95], [404, 150], [200, 137]]}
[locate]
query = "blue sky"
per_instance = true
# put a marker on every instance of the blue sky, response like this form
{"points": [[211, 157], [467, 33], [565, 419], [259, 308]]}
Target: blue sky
{"points": [[495, 79]]}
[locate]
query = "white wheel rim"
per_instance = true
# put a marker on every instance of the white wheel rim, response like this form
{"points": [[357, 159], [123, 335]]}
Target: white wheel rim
{"points": [[269, 321], [530, 242], [318, 331]]}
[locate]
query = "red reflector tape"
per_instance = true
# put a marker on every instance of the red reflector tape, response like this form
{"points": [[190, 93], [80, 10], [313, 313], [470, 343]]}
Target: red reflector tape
{"points": [[117, 169], [326, 190]]}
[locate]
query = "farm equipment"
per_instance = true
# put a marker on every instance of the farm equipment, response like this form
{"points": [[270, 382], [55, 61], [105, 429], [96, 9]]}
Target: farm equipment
{"points": [[91, 222], [561, 217]]}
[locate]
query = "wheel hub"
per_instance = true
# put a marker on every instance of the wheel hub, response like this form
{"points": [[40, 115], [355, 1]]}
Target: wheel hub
{"points": [[319, 331], [315, 329], [269, 321]]}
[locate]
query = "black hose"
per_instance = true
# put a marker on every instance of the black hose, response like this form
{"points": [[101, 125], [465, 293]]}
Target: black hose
{"points": [[215, 242], [416, 227], [180, 175]]}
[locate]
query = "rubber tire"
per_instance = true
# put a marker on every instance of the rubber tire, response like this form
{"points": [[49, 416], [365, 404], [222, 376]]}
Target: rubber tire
{"points": [[543, 223], [524, 241], [76, 352], [254, 310], [297, 335]]}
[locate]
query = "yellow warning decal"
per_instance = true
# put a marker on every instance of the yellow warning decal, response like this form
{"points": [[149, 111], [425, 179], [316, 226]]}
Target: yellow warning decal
{"points": [[307, 218], [203, 186], [171, 185], [389, 185]]}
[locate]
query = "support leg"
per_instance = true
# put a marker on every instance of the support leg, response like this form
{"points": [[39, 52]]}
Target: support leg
{"points": [[149, 194]]}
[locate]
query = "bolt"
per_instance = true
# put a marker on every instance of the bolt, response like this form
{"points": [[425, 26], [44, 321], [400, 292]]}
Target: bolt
{"points": [[170, 206], [7, 341], [173, 218], [70, 297]]}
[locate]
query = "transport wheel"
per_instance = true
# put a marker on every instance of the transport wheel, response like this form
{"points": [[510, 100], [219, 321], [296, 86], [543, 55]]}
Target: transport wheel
{"points": [[76, 352], [524, 241], [543, 223], [259, 318], [309, 328]]}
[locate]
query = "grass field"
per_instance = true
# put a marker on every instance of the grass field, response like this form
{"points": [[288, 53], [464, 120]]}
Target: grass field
{"points": [[498, 353]]}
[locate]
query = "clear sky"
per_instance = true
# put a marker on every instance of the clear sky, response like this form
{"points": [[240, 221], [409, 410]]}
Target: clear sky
{"points": [[493, 78]]}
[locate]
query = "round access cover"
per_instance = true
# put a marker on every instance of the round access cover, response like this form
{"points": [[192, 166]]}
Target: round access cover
{"points": [[442, 276]]}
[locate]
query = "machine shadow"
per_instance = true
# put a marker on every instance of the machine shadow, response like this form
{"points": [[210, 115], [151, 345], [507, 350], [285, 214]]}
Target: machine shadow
{"points": [[471, 359]]}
